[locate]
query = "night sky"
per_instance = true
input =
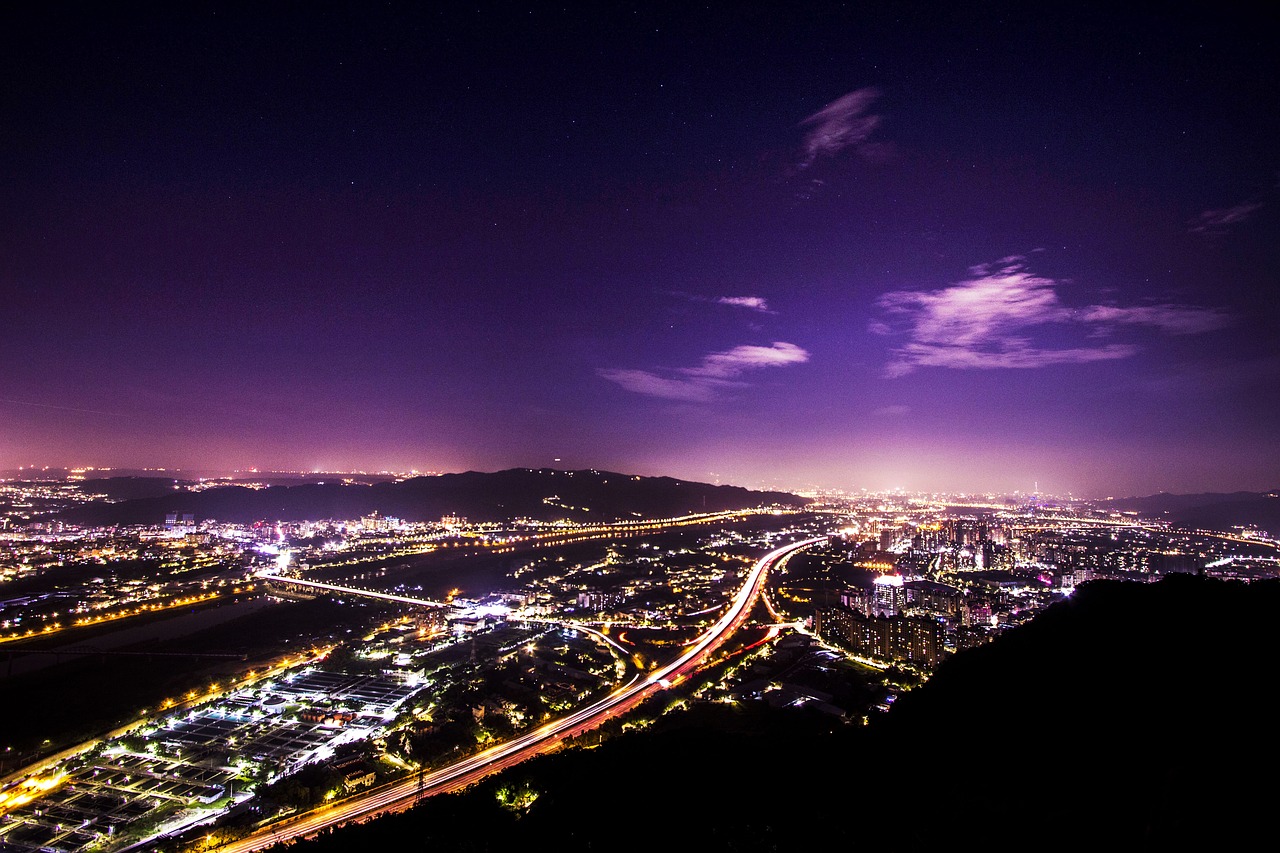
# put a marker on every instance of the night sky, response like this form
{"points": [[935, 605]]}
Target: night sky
{"points": [[945, 246]]}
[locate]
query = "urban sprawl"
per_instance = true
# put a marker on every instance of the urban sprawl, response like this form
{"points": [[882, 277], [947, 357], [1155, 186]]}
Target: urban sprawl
{"points": [[433, 642]]}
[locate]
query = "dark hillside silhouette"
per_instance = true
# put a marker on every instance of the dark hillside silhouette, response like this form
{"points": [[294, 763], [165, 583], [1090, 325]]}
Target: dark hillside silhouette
{"points": [[541, 494], [1130, 717]]}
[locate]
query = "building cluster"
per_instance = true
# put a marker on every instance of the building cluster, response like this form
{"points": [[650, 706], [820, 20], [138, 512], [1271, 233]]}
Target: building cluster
{"points": [[936, 578], [191, 765], [640, 583], [904, 582]]}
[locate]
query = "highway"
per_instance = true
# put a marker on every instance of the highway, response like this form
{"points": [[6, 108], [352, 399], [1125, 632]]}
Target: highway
{"points": [[401, 795]]}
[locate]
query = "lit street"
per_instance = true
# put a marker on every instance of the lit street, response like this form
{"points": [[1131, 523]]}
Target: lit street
{"points": [[542, 739]]}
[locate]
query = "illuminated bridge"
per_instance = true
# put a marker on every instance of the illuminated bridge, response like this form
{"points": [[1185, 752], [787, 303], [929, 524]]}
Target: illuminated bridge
{"points": [[299, 584], [402, 794]]}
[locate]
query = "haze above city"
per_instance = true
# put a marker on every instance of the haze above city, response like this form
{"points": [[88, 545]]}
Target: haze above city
{"points": [[999, 247]]}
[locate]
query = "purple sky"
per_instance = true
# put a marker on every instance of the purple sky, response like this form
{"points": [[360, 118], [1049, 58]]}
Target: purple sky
{"points": [[826, 246]]}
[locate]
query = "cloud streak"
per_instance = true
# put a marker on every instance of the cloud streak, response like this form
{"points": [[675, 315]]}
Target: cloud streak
{"points": [[991, 320], [842, 124], [61, 408], [1218, 221], [716, 373], [755, 303], [751, 303]]}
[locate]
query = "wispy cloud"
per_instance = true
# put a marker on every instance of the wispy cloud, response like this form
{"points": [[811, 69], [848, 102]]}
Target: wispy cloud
{"points": [[717, 372], [752, 303], [755, 303], [61, 408], [989, 321], [1218, 221], [842, 124], [1172, 319]]}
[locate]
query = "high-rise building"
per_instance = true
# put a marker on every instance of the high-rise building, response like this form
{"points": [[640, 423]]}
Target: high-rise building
{"points": [[887, 597], [915, 640]]}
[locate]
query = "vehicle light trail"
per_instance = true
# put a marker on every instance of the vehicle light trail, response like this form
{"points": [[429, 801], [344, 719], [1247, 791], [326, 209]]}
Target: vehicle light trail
{"points": [[398, 796]]}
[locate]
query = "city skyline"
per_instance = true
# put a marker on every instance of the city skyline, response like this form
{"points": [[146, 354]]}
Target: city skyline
{"points": [[989, 249]]}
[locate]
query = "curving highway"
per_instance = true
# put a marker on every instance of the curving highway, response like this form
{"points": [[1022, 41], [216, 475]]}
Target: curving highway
{"points": [[401, 795]]}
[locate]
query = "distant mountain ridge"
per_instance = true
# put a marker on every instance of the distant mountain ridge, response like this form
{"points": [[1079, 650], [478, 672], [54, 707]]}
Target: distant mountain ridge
{"points": [[1210, 510], [542, 494]]}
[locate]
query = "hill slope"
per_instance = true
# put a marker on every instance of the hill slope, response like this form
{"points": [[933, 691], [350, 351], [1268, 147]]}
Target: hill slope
{"points": [[1130, 717], [1210, 510], [516, 493]]}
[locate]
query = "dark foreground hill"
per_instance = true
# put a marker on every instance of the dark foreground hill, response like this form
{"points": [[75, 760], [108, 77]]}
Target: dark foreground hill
{"points": [[1132, 717], [516, 493]]}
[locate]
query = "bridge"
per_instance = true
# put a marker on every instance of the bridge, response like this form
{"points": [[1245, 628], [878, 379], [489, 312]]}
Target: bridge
{"points": [[314, 586], [399, 795]]}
